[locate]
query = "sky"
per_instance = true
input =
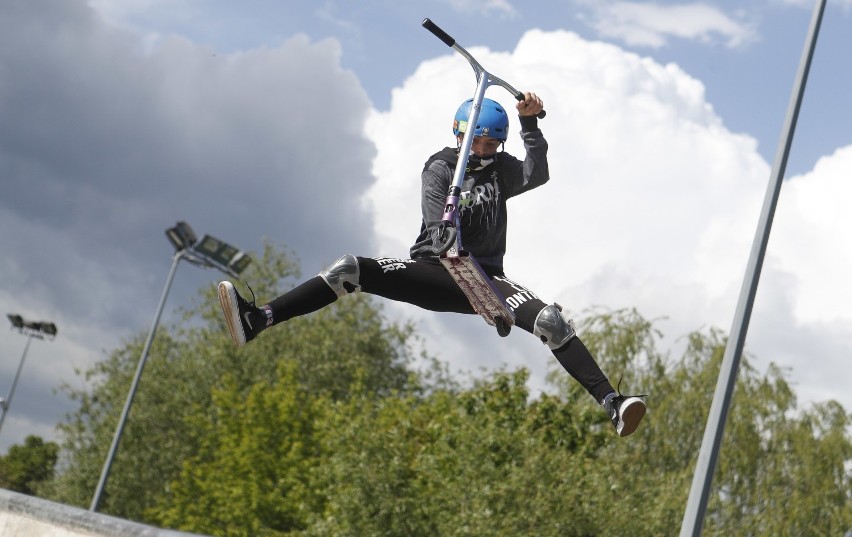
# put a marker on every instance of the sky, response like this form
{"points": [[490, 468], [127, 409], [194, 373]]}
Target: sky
{"points": [[307, 124]]}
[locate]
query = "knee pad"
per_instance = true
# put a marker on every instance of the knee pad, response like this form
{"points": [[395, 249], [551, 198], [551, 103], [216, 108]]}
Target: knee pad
{"points": [[552, 328], [342, 275]]}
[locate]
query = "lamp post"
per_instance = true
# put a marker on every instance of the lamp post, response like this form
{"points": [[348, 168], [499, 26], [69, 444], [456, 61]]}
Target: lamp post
{"points": [[208, 253], [711, 444], [31, 329]]}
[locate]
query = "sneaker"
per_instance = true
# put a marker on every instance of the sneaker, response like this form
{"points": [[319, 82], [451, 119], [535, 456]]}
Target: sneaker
{"points": [[625, 411], [244, 319]]}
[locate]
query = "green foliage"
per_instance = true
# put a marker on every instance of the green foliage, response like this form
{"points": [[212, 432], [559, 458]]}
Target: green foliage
{"points": [[322, 427], [345, 344], [251, 473], [483, 462], [27, 466]]}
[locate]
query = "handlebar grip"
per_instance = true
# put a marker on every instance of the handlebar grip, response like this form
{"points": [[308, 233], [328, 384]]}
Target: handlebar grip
{"points": [[520, 97], [440, 34]]}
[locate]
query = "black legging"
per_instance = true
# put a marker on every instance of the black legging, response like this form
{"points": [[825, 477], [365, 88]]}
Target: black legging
{"points": [[426, 284]]}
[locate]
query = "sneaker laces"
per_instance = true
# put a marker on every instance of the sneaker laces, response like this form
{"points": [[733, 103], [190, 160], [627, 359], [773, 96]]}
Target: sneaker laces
{"points": [[620, 396], [253, 302], [265, 315]]}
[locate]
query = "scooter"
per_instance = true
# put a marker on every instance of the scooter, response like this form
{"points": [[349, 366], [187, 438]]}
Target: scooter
{"points": [[465, 270]]}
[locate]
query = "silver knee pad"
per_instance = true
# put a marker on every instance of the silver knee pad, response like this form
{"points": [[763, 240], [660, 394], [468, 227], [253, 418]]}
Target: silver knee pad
{"points": [[343, 271], [552, 328]]}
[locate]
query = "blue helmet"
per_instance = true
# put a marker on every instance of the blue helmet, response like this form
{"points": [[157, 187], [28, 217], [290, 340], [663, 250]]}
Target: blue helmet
{"points": [[493, 120]]}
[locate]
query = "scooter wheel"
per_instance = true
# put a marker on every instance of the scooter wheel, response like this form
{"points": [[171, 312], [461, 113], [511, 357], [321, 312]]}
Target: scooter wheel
{"points": [[503, 328]]}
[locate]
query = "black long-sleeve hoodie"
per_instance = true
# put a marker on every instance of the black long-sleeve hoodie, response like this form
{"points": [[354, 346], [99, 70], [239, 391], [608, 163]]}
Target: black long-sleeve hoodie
{"points": [[483, 198]]}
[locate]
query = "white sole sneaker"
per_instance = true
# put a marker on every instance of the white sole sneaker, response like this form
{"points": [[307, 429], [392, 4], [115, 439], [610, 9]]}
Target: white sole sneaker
{"points": [[630, 413], [231, 309]]}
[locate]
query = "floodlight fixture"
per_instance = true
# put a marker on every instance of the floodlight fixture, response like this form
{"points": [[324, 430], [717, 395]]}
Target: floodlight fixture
{"points": [[48, 328], [222, 254], [31, 329], [239, 263], [16, 320], [37, 329], [181, 236]]}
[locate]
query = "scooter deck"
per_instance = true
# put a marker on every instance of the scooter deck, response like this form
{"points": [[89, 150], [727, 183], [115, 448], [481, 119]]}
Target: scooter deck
{"points": [[482, 294]]}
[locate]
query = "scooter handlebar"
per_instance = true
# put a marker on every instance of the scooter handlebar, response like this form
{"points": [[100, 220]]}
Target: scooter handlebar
{"points": [[439, 33], [450, 42], [520, 97]]}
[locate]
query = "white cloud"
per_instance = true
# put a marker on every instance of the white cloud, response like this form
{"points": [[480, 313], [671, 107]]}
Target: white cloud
{"points": [[653, 203], [118, 12], [652, 24], [484, 7], [331, 13], [811, 239], [102, 148]]}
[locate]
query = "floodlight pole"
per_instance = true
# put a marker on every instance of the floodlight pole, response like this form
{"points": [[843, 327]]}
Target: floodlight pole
{"points": [[708, 455], [4, 405], [130, 395], [183, 239]]}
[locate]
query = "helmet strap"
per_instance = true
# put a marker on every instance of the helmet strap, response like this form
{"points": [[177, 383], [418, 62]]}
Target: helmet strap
{"points": [[475, 163]]}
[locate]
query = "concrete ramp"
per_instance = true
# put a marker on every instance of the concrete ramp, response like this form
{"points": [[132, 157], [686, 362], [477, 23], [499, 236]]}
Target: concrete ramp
{"points": [[27, 516]]}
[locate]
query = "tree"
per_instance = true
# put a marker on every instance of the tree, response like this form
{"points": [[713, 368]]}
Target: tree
{"points": [[489, 461], [27, 466], [189, 362], [781, 469], [251, 473], [321, 427], [485, 461]]}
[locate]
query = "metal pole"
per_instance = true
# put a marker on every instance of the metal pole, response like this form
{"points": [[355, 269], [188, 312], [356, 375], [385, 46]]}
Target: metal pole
{"points": [[709, 453], [7, 402], [142, 359]]}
